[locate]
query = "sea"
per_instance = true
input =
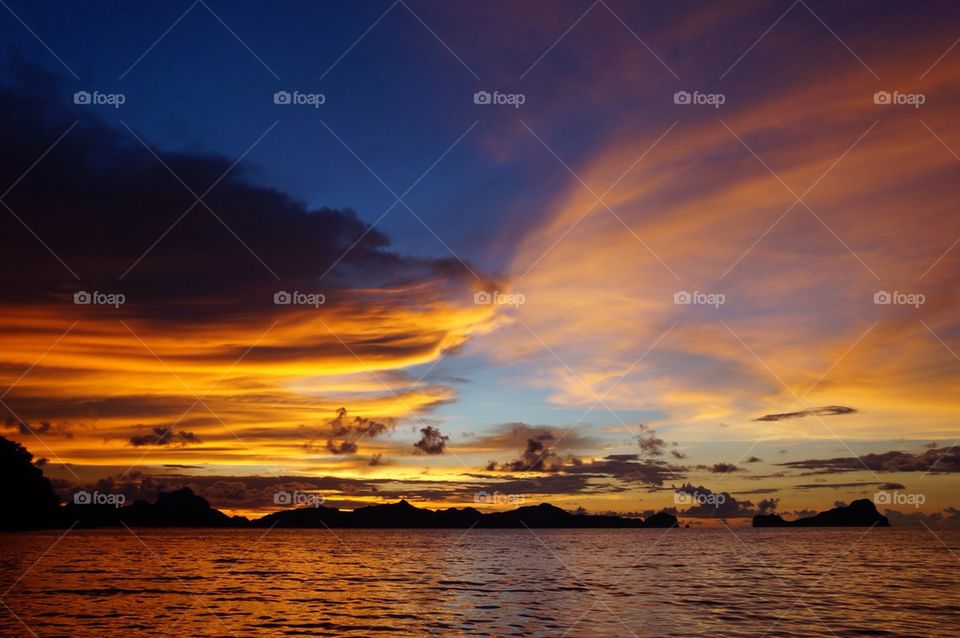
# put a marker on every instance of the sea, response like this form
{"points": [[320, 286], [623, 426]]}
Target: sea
{"points": [[722, 581]]}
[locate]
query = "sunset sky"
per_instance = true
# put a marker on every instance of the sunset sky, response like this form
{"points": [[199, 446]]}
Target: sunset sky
{"points": [[586, 208]]}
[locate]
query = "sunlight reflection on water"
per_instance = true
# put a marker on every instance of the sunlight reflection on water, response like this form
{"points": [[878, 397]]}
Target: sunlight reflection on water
{"points": [[481, 582]]}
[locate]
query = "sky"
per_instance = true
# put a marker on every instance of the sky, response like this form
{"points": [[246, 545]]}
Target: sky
{"points": [[619, 256]]}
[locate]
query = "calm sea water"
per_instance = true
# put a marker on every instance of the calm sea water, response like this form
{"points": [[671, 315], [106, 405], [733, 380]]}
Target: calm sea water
{"points": [[486, 583]]}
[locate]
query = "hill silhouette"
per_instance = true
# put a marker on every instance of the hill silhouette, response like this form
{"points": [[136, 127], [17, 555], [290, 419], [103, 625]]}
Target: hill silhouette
{"points": [[860, 513], [180, 508], [183, 508], [28, 499], [404, 515], [31, 503]]}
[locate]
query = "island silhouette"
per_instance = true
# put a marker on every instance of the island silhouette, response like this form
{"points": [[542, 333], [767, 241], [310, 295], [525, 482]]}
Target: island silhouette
{"points": [[859, 513], [30, 502], [183, 508]]}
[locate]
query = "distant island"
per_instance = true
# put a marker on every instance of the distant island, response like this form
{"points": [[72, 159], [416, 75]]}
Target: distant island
{"points": [[183, 508], [31, 503], [860, 513]]}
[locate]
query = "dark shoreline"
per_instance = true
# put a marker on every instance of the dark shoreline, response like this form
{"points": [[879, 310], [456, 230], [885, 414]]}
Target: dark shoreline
{"points": [[183, 509]]}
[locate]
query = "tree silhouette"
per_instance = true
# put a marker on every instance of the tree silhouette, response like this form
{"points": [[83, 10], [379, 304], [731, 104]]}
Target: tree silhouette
{"points": [[27, 498]]}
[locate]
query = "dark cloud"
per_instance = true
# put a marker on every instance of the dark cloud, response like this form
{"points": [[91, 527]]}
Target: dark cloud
{"points": [[342, 447], [946, 518], [814, 486], [161, 436], [612, 473], [119, 217], [892, 486], [86, 215], [43, 427], [933, 460], [753, 459], [343, 432], [649, 442], [627, 469], [720, 468], [510, 436], [767, 505], [760, 477], [709, 504], [432, 441], [538, 456], [827, 410]]}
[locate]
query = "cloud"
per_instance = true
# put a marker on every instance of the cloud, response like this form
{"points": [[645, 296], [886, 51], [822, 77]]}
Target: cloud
{"points": [[710, 504], [933, 460], [649, 442], [509, 436], [892, 486], [377, 460], [720, 468], [265, 368], [948, 518], [344, 432], [767, 505], [627, 469], [800, 293], [536, 457], [836, 486], [432, 441], [161, 436], [44, 427], [829, 410], [342, 447]]}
